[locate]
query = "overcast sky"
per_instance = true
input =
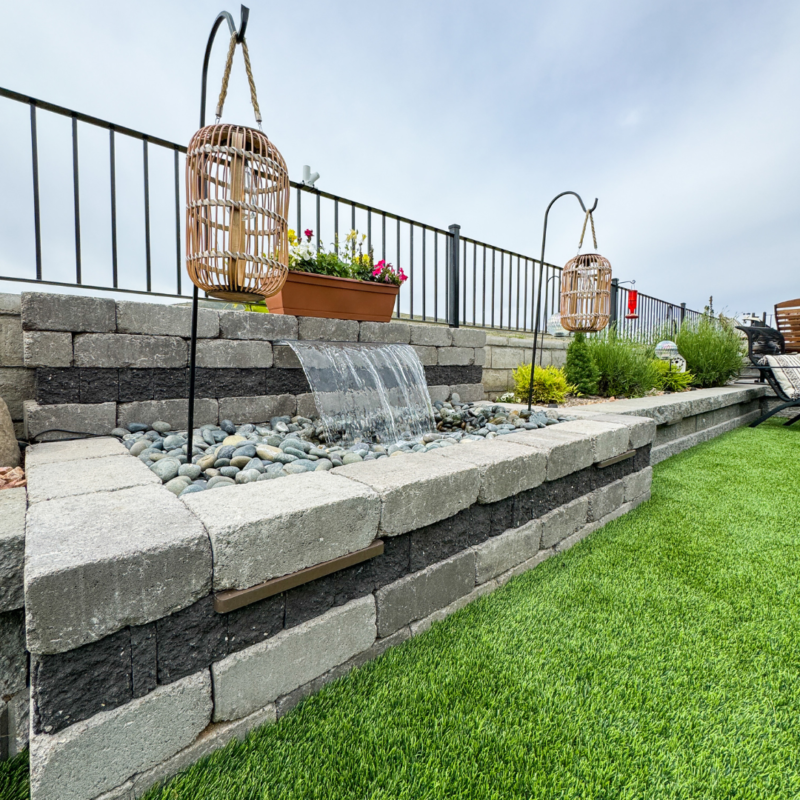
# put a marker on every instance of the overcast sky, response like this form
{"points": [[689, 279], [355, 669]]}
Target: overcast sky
{"points": [[681, 117]]}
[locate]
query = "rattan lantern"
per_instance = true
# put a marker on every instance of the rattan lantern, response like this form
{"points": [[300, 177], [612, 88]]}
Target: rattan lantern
{"points": [[237, 207], [586, 290]]}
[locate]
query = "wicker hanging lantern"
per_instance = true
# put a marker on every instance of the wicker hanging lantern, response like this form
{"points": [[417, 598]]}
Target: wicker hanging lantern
{"points": [[586, 289], [237, 206]]}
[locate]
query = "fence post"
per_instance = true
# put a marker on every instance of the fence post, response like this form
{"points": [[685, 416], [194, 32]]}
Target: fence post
{"points": [[453, 268], [613, 299], [683, 312]]}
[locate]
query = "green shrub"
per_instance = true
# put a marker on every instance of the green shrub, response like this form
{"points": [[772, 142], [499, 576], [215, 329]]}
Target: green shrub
{"points": [[712, 349], [671, 379], [550, 385], [580, 369], [626, 366]]}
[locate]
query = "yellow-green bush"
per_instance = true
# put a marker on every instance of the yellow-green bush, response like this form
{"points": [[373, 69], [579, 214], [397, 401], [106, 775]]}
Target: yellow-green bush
{"points": [[671, 379], [549, 384]]}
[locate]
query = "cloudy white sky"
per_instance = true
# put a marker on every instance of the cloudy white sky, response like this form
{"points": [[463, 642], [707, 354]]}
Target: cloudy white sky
{"points": [[681, 117]]}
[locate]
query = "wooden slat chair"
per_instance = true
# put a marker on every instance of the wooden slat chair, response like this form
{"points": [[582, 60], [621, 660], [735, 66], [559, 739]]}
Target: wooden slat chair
{"points": [[787, 320], [767, 352]]}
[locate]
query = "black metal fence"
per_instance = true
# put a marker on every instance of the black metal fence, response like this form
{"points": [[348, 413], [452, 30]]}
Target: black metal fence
{"points": [[451, 278]]}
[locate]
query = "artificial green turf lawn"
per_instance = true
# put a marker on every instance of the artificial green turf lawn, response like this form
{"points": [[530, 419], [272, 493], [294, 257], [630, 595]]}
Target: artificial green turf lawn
{"points": [[656, 659]]}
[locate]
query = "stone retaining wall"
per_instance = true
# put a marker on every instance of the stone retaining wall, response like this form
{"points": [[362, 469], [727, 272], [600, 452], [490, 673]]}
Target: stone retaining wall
{"points": [[134, 675], [505, 353], [90, 364]]}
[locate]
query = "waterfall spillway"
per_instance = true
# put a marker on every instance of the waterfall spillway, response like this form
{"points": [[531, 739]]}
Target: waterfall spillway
{"points": [[367, 392]]}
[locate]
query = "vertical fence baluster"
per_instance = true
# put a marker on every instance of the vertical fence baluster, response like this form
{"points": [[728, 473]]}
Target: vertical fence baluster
{"points": [[436, 277], [502, 268], [424, 277], [474, 282], [494, 252], [336, 226], [383, 236], [316, 230], [146, 165], [463, 280], [525, 300], [483, 299], [77, 200], [177, 221], [112, 169], [397, 266], [369, 230], [411, 271], [37, 231]]}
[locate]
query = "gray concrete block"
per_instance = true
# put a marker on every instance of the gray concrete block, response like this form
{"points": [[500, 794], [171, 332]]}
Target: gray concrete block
{"points": [[675, 430], [260, 408], [11, 350], [427, 356], [498, 380], [155, 319], [57, 452], [120, 558], [102, 753], [606, 500], [284, 357], [271, 528], [608, 439], [124, 350], [71, 478], [564, 521], [13, 659], [10, 304], [234, 353], [468, 337], [253, 678], [386, 332], [505, 468], [642, 430], [416, 490], [509, 357], [504, 552], [455, 356], [440, 393], [214, 737], [17, 385], [637, 484], [566, 452], [328, 330], [431, 335], [479, 358], [468, 392], [59, 312], [257, 325], [306, 405], [493, 340], [12, 548], [47, 349], [416, 596], [95, 418], [18, 708], [524, 567], [422, 625], [175, 412]]}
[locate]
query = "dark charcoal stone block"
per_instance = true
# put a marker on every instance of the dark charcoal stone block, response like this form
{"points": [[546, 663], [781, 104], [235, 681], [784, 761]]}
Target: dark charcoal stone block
{"points": [[615, 472], [310, 600], [502, 516], [240, 382], [170, 384], [205, 382], [190, 640], [440, 540], [73, 686], [285, 381], [144, 661], [57, 385], [480, 523], [449, 376], [553, 494], [135, 384], [254, 623], [394, 562], [642, 458], [99, 385]]}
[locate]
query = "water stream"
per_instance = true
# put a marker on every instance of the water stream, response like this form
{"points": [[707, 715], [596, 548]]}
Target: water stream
{"points": [[367, 392]]}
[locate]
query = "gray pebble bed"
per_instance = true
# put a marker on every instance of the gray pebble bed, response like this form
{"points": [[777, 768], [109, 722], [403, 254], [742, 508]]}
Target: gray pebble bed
{"points": [[228, 454]]}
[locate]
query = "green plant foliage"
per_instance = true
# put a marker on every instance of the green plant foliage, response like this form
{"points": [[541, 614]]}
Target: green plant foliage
{"points": [[580, 369], [14, 778], [626, 366], [671, 379], [550, 385], [712, 349]]}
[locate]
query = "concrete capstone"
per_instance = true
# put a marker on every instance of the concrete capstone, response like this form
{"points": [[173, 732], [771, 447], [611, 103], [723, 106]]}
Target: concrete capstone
{"points": [[123, 350], [58, 312], [233, 353], [566, 452], [328, 330], [386, 332], [255, 325], [431, 335], [154, 319]]}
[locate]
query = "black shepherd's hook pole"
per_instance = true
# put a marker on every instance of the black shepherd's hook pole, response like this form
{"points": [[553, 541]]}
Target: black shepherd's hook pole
{"points": [[539, 292], [223, 15]]}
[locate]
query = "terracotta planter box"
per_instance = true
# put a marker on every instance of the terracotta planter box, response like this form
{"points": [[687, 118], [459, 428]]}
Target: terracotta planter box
{"points": [[308, 295]]}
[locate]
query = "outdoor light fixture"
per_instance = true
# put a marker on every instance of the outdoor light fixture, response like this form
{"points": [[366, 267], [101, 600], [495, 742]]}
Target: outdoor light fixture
{"points": [[554, 326], [309, 177], [668, 351]]}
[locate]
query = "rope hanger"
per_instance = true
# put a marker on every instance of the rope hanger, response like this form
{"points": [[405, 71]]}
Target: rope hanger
{"points": [[227, 74], [588, 218]]}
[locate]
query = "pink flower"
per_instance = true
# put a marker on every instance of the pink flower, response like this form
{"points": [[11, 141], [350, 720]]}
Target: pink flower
{"points": [[308, 233]]}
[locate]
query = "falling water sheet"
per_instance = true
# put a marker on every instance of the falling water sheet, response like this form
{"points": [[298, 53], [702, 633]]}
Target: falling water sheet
{"points": [[367, 392]]}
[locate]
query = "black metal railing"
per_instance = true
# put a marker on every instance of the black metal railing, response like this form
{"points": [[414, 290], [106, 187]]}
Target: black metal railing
{"points": [[452, 279]]}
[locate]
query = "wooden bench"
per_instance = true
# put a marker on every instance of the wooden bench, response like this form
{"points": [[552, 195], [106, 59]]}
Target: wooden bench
{"points": [[787, 321]]}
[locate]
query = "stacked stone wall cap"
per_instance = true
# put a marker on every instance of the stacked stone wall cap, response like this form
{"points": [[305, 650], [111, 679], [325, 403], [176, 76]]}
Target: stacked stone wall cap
{"points": [[505, 468], [386, 332], [38, 455], [59, 312], [468, 337], [87, 476], [256, 325], [155, 319], [416, 490], [609, 439], [243, 354], [99, 562], [113, 350], [13, 503], [642, 429], [328, 330], [566, 452], [431, 335], [10, 304], [102, 753], [9, 449], [266, 529], [255, 677]]}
